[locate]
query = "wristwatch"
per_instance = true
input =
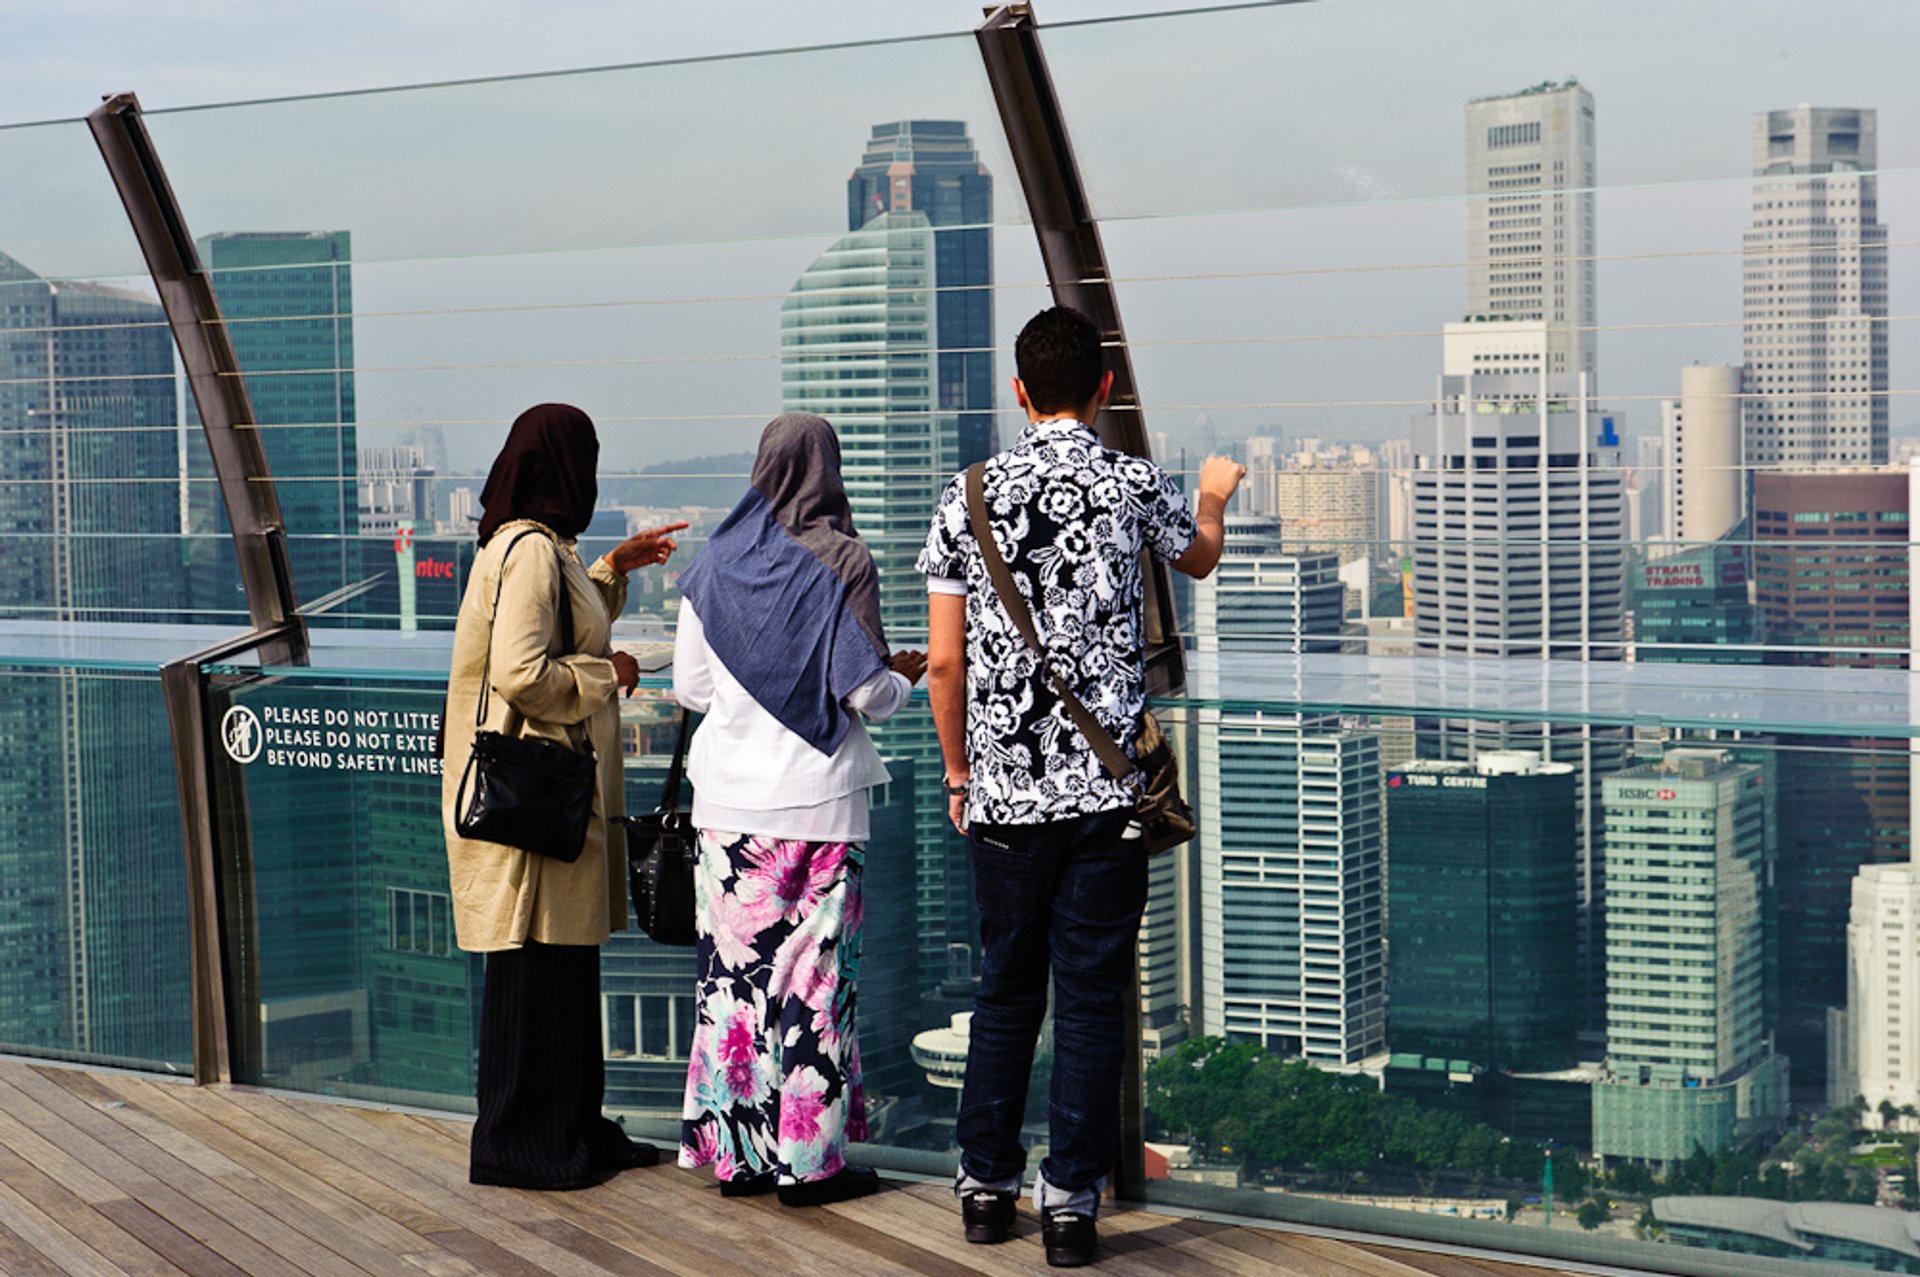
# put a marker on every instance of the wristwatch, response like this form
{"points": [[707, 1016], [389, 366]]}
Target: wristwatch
{"points": [[956, 791]]}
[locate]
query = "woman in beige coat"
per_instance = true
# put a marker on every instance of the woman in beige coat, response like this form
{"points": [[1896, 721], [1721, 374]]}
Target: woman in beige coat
{"points": [[540, 921]]}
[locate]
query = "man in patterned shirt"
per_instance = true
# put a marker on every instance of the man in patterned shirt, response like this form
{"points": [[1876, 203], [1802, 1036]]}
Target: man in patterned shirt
{"points": [[1060, 874]]}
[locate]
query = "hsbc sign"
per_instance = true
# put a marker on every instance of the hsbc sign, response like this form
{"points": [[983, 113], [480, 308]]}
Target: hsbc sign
{"points": [[1645, 793]]}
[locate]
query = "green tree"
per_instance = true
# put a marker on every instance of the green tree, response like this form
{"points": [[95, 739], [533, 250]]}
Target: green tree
{"points": [[1632, 1179], [1592, 1213]]}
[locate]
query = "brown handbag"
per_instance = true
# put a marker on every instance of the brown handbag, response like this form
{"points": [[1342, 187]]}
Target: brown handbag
{"points": [[1165, 819]]}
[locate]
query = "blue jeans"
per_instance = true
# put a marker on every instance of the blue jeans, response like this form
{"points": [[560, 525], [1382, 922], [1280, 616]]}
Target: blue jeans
{"points": [[1066, 894]]}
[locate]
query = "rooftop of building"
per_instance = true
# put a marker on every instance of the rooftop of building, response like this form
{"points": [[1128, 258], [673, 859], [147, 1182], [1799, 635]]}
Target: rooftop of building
{"points": [[1684, 764], [1792, 1223], [1489, 762], [1532, 90]]}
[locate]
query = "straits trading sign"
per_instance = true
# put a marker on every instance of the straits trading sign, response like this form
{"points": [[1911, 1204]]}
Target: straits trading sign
{"points": [[313, 738], [1732, 571]]}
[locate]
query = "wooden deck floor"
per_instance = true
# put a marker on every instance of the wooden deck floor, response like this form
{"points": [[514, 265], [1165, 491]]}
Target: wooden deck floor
{"points": [[110, 1175]]}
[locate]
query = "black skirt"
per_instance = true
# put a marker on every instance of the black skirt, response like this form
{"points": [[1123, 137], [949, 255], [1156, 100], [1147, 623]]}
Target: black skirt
{"points": [[542, 1073]]}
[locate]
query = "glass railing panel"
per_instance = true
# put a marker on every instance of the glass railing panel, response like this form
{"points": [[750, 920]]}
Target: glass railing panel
{"points": [[89, 440], [687, 292], [330, 795], [93, 941], [94, 936]]}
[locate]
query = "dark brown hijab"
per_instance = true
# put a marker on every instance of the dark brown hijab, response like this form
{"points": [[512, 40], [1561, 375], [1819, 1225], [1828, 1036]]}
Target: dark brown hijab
{"points": [[546, 472]]}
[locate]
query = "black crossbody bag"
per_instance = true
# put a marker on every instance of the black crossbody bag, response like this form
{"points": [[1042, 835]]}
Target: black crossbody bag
{"points": [[1165, 819], [529, 794], [662, 849]]}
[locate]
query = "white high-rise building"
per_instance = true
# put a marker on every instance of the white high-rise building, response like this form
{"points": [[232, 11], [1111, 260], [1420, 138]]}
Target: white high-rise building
{"points": [[1879, 1057], [396, 487], [855, 348], [1705, 479], [1648, 479], [1816, 291], [1690, 1063], [1290, 862], [1519, 553], [1396, 460], [1265, 457], [1519, 522], [1530, 230]]}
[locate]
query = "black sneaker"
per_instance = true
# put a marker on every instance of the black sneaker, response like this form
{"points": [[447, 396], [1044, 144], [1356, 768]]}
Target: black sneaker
{"points": [[843, 1185], [1069, 1238], [988, 1214], [749, 1185]]}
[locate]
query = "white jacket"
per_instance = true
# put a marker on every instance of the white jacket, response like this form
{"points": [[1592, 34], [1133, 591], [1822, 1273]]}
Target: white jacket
{"points": [[751, 775]]}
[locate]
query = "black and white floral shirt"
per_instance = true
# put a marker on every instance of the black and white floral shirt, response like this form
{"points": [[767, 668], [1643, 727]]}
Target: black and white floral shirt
{"points": [[1071, 517]]}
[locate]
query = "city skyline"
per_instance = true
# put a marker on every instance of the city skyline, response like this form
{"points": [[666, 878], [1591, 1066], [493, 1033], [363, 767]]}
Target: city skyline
{"points": [[1665, 191], [1241, 942]]}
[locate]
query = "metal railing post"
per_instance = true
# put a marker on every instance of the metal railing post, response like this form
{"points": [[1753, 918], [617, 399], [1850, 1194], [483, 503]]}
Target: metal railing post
{"points": [[213, 374], [222, 1030], [259, 540], [1076, 266]]}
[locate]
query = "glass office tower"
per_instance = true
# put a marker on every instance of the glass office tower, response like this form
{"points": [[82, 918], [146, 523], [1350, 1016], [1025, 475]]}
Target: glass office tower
{"points": [[930, 167], [288, 302], [93, 938]]}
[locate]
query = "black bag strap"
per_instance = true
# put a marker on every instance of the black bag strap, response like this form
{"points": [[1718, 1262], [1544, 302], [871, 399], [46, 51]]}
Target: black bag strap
{"points": [[670, 796], [562, 602], [1111, 756]]}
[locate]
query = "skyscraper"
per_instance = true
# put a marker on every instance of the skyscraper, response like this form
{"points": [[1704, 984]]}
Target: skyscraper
{"points": [[91, 869], [1816, 291], [1519, 493], [1530, 226], [1290, 917], [929, 167], [1481, 911], [1520, 554], [1880, 1056], [1689, 1061], [854, 348], [1831, 568], [287, 298], [1705, 481]]}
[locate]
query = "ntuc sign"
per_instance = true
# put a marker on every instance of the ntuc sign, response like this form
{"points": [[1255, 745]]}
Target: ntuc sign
{"points": [[433, 569]]}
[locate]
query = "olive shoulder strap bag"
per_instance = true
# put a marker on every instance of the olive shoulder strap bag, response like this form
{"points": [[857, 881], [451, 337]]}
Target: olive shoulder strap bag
{"points": [[1165, 819]]}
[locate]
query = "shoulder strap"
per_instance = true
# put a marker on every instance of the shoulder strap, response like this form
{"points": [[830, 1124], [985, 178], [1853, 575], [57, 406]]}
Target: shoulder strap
{"points": [[565, 605], [1112, 757], [670, 797]]}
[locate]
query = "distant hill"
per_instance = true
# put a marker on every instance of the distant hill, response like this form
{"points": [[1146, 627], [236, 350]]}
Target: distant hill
{"points": [[684, 482]]}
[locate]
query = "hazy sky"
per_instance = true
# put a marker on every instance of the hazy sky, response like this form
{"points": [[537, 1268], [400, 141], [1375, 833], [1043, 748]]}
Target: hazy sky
{"points": [[622, 239]]}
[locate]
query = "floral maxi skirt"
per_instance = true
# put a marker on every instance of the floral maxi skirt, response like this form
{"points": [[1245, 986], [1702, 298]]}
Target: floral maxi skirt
{"points": [[773, 1079]]}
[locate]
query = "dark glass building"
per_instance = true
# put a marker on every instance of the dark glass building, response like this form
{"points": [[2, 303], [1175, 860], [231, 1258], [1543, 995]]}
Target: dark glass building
{"points": [[1692, 607], [1481, 911], [929, 166], [288, 302], [93, 943], [1831, 582]]}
